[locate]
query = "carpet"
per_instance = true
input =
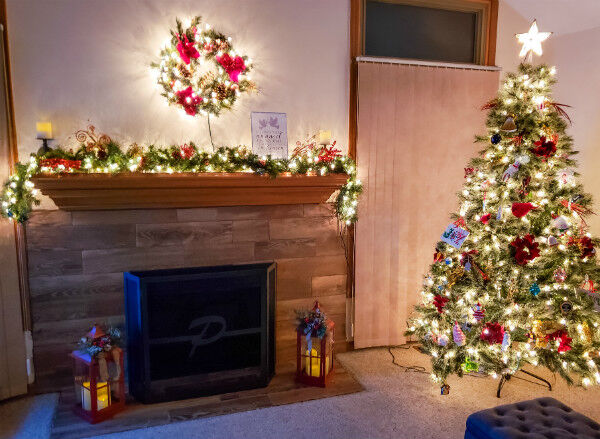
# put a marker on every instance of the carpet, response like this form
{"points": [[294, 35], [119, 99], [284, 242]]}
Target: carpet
{"points": [[27, 417], [396, 404]]}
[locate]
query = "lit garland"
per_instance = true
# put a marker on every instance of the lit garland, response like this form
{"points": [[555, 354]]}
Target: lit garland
{"points": [[105, 156], [185, 74], [521, 286]]}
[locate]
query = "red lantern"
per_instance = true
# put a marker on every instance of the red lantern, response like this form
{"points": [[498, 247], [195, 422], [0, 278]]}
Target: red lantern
{"points": [[314, 359], [99, 398]]}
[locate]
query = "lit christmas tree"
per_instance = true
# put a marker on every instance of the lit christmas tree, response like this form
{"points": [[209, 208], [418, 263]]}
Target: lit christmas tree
{"points": [[512, 282]]}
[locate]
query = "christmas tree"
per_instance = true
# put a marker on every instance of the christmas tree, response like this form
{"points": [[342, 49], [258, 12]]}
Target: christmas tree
{"points": [[512, 282]]}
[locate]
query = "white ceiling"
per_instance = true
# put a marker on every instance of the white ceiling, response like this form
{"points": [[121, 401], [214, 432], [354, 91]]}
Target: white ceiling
{"points": [[559, 16]]}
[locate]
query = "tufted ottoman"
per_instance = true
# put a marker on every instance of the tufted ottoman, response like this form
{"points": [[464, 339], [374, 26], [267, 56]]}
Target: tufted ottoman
{"points": [[542, 418]]}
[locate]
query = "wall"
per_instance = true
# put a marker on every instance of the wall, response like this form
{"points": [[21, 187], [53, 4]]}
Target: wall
{"points": [[76, 62], [574, 49], [77, 260]]}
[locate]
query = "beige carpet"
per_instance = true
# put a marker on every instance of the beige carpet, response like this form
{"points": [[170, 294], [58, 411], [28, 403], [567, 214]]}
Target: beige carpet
{"points": [[396, 404]]}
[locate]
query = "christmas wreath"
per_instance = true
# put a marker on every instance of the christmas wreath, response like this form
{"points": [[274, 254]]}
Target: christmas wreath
{"points": [[200, 71], [311, 322]]}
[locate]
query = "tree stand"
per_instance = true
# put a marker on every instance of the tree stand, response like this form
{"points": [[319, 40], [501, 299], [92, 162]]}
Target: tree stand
{"points": [[507, 377]]}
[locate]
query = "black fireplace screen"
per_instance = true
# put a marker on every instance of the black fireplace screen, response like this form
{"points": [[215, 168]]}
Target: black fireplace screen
{"points": [[199, 331]]}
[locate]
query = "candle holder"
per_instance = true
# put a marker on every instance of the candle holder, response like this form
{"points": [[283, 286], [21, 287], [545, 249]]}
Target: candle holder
{"points": [[44, 133], [314, 359], [98, 398]]}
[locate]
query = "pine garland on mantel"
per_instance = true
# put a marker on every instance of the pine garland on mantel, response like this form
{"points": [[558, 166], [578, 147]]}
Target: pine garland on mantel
{"points": [[100, 154]]}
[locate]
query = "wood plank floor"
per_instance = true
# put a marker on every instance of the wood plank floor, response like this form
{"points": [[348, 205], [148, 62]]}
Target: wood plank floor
{"points": [[282, 390]]}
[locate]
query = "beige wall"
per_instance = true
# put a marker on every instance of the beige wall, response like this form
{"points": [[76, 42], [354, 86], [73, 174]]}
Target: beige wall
{"points": [[75, 61], [574, 49]]}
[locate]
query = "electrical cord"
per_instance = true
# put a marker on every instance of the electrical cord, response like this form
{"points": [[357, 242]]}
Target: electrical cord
{"points": [[418, 369]]}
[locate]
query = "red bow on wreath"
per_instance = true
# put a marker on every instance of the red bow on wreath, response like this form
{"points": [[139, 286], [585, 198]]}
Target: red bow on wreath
{"points": [[545, 148], [233, 66], [526, 249], [186, 49]]}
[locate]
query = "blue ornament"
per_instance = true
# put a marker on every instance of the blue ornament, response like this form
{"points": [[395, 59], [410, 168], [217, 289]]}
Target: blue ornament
{"points": [[534, 289], [440, 287], [448, 261], [468, 266], [496, 138]]}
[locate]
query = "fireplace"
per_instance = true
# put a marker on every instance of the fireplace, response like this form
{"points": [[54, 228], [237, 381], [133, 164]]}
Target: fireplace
{"points": [[199, 331]]}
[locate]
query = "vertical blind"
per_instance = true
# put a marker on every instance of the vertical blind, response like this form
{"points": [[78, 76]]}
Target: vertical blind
{"points": [[416, 126]]}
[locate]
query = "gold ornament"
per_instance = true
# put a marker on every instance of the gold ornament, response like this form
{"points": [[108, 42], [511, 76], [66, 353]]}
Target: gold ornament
{"points": [[509, 125], [541, 329], [587, 333], [455, 275]]}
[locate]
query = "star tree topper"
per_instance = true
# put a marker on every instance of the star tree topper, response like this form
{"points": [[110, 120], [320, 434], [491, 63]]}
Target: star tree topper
{"points": [[532, 41]]}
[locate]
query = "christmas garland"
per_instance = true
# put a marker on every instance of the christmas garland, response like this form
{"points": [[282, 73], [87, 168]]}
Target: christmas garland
{"points": [[99, 154], [184, 78]]}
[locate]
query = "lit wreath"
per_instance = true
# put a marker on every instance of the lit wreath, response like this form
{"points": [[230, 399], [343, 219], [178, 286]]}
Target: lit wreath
{"points": [[188, 80]]}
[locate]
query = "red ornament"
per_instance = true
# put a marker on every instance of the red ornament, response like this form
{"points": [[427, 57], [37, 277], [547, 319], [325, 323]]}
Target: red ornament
{"points": [[185, 152], [469, 171], [328, 153], [493, 332], [440, 302], [233, 66], [485, 218], [526, 249], [587, 247], [438, 256], [564, 340], [188, 100], [186, 49], [544, 148], [521, 209]]}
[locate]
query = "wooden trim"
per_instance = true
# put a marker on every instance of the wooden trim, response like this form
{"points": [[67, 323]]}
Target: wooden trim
{"points": [[156, 191], [20, 237], [486, 9], [492, 33], [418, 62], [12, 129]]}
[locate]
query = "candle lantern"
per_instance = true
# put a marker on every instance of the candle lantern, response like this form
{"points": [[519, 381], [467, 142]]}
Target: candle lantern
{"points": [[99, 379], [315, 347]]}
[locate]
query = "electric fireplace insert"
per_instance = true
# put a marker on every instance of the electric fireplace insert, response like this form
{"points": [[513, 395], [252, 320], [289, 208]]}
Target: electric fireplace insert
{"points": [[199, 331]]}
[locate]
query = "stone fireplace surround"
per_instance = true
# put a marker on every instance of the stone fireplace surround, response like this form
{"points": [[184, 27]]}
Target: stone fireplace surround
{"points": [[77, 259]]}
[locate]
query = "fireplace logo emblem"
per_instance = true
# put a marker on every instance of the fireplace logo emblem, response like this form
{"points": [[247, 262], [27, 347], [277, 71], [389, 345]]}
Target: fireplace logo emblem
{"points": [[206, 323]]}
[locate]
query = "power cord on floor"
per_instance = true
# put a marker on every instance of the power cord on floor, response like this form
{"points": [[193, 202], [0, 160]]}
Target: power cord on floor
{"points": [[419, 369]]}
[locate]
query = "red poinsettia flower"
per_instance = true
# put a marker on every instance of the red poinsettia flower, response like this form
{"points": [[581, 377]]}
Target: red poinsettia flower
{"points": [[493, 332], [233, 66], [188, 100], [186, 49], [563, 338], [544, 148], [521, 209], [587, 247], [440, 302], [526, 249]]}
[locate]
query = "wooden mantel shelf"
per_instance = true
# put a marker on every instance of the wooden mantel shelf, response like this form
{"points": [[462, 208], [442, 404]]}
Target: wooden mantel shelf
{"points": [[145, 191]]}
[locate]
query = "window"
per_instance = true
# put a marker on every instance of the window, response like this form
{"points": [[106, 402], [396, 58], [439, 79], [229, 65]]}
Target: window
{"points": [[435, 30]]}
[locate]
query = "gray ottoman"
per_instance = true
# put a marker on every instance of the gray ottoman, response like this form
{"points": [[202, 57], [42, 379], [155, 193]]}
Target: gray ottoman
{"points": [[542, 418]]}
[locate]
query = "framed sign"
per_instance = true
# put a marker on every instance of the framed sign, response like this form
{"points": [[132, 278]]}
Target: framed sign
{"points": [[269, 134], [454, 235]]}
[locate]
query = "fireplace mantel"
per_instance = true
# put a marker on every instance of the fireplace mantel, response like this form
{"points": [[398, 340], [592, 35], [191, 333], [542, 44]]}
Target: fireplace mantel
{"points": [[143, 191]]}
